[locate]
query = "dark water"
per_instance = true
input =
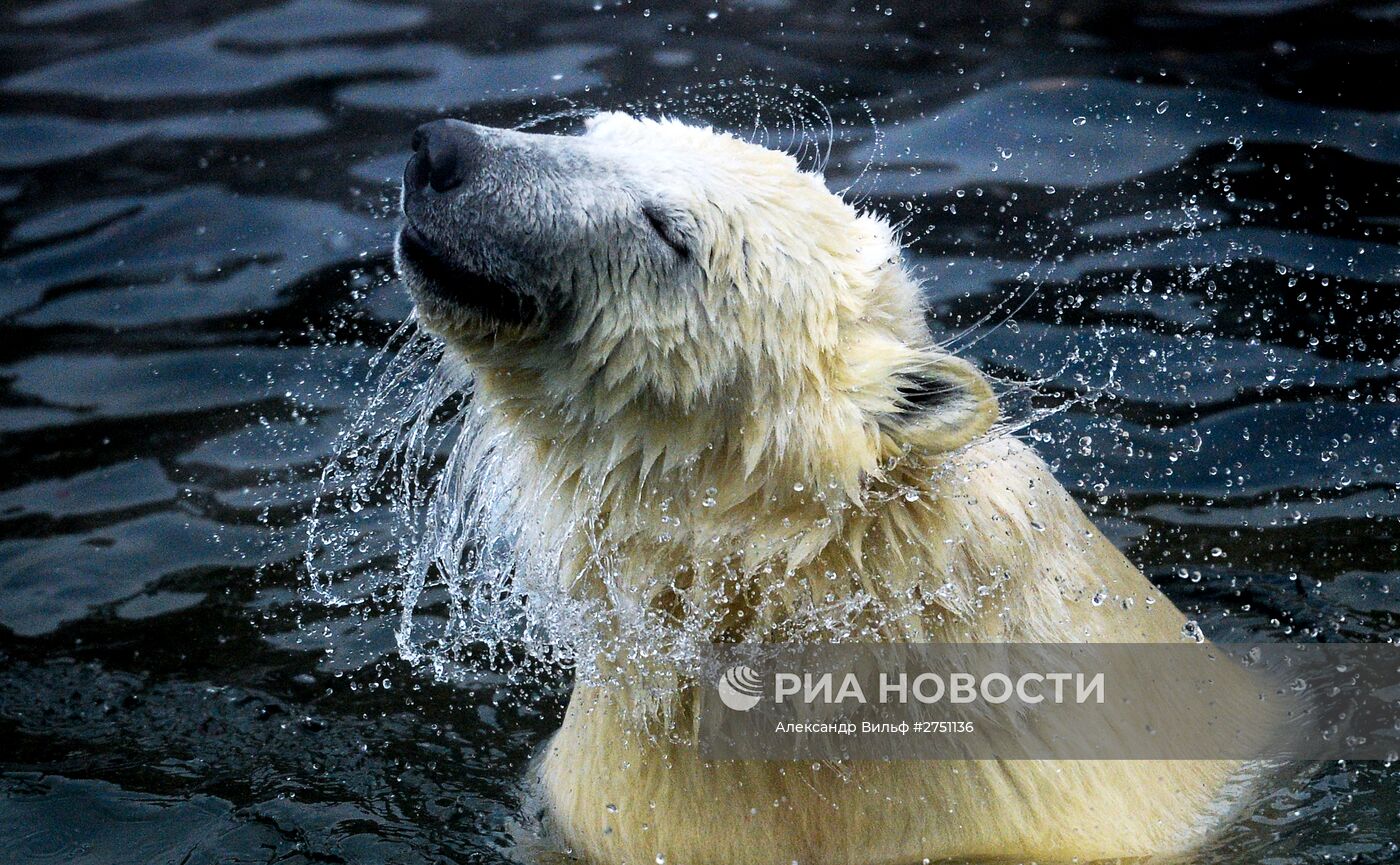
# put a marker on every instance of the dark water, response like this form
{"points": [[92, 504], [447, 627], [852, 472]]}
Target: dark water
{"points": [[1191, 208]]}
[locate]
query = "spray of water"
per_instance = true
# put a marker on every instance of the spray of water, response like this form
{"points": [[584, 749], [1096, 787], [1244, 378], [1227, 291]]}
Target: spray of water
{"points": [[472, 576], [419, 460], [424, 511]]}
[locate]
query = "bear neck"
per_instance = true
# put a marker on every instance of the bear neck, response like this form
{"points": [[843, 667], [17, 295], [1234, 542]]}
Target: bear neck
{"points": [[647, 462]]}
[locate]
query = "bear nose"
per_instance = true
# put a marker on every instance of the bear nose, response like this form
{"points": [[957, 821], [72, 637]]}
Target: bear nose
{"points": [[445, 153]]}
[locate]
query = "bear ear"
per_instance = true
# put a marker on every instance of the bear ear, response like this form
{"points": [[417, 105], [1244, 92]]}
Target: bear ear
{"points": [[673, 225], [942, 405]]}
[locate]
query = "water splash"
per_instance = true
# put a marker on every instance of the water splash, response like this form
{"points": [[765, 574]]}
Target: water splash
{"points": [[477, 568], [776, 115], [470, 577], [423, 512]]}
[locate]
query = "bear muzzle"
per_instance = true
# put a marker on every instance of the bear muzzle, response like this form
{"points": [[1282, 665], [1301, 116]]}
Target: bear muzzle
{"points": [[448, 162]]}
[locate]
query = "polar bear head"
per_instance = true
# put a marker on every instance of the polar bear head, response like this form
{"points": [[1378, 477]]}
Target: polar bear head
{"points": [[656, 287]]}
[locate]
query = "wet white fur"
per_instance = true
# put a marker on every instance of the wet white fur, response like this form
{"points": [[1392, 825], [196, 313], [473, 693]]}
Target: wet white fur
{"points": [[715, 446]]}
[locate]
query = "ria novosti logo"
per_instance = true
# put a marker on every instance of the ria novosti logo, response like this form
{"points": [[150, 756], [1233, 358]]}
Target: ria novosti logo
{"points": [[740, 688]]}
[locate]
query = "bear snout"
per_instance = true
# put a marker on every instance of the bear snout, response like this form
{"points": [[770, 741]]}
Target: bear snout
{"points": [[445, 154]]}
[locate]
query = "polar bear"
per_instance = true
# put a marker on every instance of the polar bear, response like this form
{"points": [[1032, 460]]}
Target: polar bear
{"points": [[730, 409]]}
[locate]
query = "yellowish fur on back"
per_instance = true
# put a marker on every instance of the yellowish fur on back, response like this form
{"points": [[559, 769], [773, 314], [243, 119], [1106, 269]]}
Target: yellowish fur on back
{"points": [[1019, 563]]}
